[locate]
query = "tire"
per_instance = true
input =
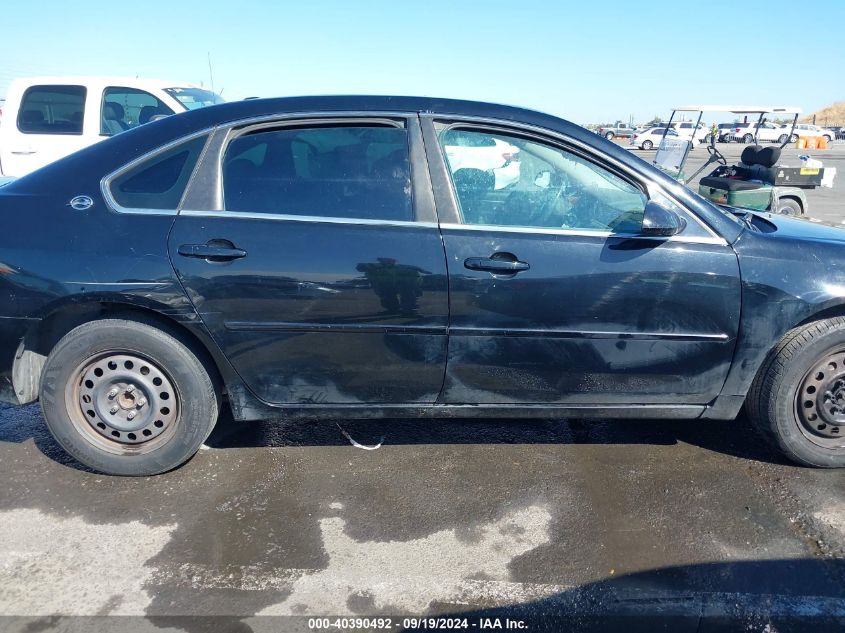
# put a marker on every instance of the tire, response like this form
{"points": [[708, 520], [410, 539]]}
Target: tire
{"points": [[827, 138], [125, 397], [793, 138], [782, 139], [748, 138], [807, 363], [647, 144], [609, 136], [789, 206]]}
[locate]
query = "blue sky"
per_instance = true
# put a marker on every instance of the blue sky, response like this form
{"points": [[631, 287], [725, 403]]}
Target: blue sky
{"points": [[591, 61]]}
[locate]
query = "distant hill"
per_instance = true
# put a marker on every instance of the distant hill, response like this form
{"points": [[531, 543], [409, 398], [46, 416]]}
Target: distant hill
{"points": [[831, 115]]}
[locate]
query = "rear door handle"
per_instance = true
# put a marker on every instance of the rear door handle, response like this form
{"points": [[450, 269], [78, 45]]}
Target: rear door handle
{"points": [[213, 251], [500, 263], [23, 152]]}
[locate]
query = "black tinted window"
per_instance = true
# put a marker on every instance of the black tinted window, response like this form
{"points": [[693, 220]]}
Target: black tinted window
{"points": [[345, 172], [158, 183], [52, 110]]}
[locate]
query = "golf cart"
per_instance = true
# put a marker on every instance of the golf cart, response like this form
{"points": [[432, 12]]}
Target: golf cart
{"points": [[757, 182]]}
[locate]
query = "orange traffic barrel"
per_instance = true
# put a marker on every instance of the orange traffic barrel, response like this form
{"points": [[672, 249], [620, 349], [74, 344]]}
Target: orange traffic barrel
{"points": [[811, 142], [821, 143], [801, 143]]}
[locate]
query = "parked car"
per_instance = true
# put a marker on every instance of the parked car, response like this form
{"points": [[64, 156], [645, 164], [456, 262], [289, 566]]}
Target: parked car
{"points": [[766, 132], [807, 129], [724, 134], [469, 151], [688, 130], [651, 137], [322, 256], [50, 117], [620, 130]]}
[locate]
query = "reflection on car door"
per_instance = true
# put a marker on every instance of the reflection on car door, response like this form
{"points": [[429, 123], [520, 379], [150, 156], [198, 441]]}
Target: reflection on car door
{"points": [[321, 277], [555, 299]]}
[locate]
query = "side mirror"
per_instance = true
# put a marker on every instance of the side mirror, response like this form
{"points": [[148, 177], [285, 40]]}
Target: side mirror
{"points": [[658, 221]]}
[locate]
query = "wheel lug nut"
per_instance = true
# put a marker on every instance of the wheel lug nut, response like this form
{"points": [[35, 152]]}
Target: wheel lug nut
{"points": [[142, 402], [112, 393], [130, 415], [113, 409], [130, 388]]}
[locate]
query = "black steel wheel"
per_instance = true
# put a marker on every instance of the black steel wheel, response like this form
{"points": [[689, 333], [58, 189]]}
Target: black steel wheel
{"points": [[820, 401], [129, 397], [797, 399], [125, 402]]}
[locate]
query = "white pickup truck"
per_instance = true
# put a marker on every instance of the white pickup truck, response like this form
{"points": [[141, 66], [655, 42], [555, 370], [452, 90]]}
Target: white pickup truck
{"points": [[47, 118]]}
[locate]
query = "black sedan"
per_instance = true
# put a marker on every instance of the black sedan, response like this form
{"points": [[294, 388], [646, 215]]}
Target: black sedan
{"points": [[386, 256]]}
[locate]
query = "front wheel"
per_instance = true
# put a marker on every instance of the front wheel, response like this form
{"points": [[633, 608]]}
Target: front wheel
{"points": [[797, 399], [127, 398], [647, 144], [827, 138], [609, 136], [748, 138], [782, 139]]}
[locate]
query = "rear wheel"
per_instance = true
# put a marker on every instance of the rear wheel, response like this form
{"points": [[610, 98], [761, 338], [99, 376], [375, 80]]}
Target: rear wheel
{"points": [[609, 136], [793, 138], [748, 138], [127, 398], [789, 206], [782, 138], [798, 398], [647, 144], [827, 138]]}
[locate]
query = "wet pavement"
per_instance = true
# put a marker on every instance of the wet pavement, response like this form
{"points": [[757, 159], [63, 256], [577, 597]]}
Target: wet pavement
{"points": [[446, 517]]}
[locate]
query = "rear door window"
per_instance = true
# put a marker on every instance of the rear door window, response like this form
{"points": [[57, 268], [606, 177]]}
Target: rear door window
{"points": [[52, 110], [355, 171], [158, 182]]}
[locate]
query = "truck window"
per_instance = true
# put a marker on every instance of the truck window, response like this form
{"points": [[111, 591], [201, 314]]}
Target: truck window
{"points": [[125, 108], [52, 110]]}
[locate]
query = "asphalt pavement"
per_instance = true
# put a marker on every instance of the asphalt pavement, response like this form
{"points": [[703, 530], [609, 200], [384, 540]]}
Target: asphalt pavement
{"points": [[517, 518]]}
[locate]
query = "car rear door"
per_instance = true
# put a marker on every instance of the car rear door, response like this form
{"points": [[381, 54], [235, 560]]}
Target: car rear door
{"points": [[310, 249], [49, 125], [556, 298]]}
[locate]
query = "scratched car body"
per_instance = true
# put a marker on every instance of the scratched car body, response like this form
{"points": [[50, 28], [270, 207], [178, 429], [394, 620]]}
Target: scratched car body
{"points": [[320, 257]]}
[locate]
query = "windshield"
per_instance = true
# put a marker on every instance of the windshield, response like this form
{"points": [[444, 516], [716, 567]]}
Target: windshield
{"points": [[193, 98]]}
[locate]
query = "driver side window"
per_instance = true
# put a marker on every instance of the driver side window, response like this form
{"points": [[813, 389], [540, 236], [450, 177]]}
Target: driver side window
{"points": [[504, 180]]}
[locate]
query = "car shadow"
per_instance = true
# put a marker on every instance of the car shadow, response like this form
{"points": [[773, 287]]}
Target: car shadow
{"points": [[736, 438], [766, 596]]}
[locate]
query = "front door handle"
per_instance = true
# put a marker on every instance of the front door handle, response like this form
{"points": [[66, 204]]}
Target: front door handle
{"points": [[23, 152], [498, 263], [212, 251]]}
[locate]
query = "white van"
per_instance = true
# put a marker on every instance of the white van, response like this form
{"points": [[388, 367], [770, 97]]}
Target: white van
{"points": [[47, 118]]}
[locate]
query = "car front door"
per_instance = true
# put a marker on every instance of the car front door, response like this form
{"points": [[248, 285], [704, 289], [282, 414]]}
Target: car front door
{"points": [[310, 250], [555, 294]]}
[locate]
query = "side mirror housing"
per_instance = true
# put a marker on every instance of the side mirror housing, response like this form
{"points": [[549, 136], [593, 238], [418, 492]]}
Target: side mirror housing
{"points": [[658, 221]]}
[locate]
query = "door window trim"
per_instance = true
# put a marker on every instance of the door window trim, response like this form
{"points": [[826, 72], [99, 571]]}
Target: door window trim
{"points": [[433, 125], [198, 203]]}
